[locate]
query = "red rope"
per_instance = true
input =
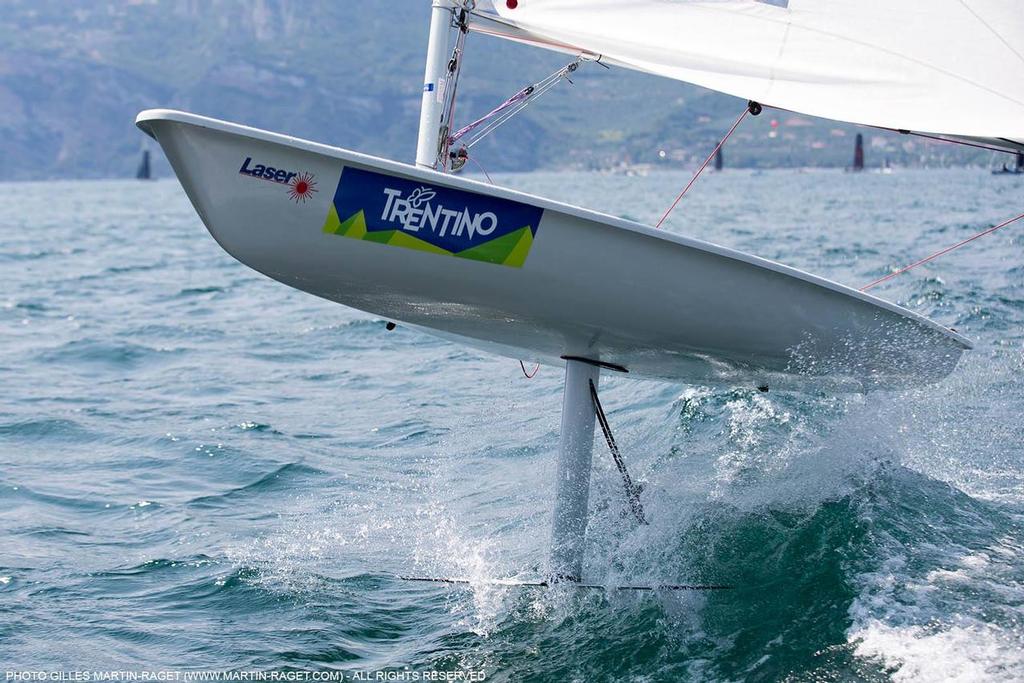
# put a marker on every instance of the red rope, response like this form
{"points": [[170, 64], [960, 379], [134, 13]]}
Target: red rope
{"points": [[486, 174], [707, 161], [529, 375], [940, 253]]}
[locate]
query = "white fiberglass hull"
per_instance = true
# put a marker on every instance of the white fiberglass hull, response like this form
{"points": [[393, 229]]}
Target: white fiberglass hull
{"points": [[531, 278]]}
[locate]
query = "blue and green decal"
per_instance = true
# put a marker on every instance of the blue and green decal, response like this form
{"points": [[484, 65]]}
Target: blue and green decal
{"points": [[439, 220]]}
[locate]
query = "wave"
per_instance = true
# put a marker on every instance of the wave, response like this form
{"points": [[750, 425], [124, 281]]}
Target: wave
{"points": [[112, 354], [59, 429], [282, 478]]}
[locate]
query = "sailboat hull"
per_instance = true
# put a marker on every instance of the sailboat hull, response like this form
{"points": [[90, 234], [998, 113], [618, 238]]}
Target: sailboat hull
{"points": [[534, 279]]}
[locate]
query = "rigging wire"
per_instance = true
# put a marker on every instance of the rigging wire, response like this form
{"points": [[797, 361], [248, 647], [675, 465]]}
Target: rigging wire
{"points": [[946, 250], [512, 106], [952, 141], [632, 490], [482, 169], [460, 22], [941, 252], [752, 108]]}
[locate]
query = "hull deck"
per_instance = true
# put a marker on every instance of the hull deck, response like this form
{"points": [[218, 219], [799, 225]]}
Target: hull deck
{"points": [[535, 279]]}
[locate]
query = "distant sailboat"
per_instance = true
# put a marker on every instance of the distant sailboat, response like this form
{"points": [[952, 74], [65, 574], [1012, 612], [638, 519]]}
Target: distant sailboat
{"points": [[144, 172], [1018, 168], [718, 159], [858, 154]]}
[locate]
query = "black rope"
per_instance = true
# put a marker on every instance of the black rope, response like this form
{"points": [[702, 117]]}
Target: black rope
{"points": [[632, 490]]}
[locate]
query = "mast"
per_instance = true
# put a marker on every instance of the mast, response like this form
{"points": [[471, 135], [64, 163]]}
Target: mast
{"points": [[576, 441], [431, 109]]}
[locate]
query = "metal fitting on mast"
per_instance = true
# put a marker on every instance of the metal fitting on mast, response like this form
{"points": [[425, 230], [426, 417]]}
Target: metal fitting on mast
{"points": [[434, 84]]}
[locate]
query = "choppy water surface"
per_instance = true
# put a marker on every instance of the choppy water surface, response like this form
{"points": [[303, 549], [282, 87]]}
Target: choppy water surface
{"points": [[201, 468]]}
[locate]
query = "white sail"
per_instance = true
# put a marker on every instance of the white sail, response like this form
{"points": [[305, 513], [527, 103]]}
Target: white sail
{"points": [[950, 67]]}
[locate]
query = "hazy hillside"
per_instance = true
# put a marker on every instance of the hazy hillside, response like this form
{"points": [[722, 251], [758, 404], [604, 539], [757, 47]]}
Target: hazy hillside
{"points": [[73, 76]]}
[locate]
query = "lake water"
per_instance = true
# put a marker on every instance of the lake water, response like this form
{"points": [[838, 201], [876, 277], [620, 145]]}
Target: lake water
{"points": [[201, 469]]}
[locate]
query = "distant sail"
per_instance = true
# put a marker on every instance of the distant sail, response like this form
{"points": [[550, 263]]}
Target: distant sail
{"points": [[1017, 169], [143, 173], [858, 153], [718, 159], [947, 67]]}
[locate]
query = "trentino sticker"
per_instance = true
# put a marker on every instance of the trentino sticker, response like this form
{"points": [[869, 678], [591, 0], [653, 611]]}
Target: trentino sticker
{"points": [[439, 220]]}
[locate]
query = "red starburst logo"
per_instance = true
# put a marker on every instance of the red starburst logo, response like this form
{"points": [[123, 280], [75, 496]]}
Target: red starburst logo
{"points": [[302, 187]]}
